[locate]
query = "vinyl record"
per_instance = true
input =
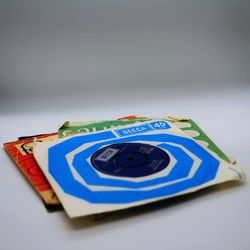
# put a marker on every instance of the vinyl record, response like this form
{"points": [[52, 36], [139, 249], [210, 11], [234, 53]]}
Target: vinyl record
{"points": [[129, 166], [130, 160]]}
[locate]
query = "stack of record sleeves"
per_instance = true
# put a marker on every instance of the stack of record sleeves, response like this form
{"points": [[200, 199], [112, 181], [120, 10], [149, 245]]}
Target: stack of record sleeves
{"points": [[93, 167]]}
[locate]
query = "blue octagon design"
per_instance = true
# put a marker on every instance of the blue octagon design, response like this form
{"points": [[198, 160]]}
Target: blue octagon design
{"points": [[58, 167]]}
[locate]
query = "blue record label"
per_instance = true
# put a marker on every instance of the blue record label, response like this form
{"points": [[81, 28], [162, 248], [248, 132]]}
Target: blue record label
{"points": [[130, 160]]}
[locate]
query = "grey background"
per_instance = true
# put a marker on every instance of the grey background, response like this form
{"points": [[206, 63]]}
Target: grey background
{"points": [[85, 60], [106, 50]]}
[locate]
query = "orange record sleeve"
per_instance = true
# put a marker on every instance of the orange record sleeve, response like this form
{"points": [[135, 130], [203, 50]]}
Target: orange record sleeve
{"points": [[21, 152]]}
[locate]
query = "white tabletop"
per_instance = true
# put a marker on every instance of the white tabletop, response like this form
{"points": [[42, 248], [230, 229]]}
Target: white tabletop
{"points": [[216, 218]]}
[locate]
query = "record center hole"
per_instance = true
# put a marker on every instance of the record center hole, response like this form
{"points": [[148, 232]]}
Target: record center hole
{"points": [[130, 158]]}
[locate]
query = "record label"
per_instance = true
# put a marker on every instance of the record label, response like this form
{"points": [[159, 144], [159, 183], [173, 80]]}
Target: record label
{"points": [[130, 160]]}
